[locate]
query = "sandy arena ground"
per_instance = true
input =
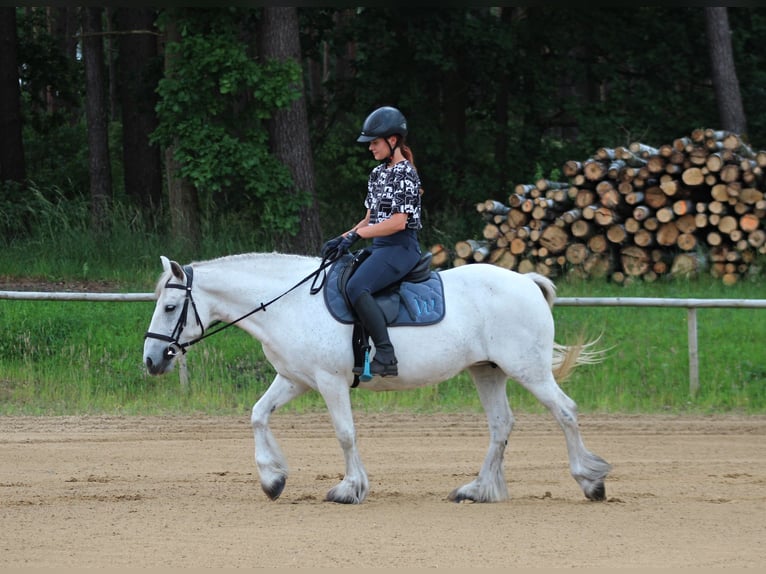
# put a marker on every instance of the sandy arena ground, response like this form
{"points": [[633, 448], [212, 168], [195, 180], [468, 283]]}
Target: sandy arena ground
{"points": [[183, 492]]}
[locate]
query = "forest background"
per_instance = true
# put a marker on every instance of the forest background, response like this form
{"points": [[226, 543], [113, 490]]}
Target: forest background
{"points": [[231, 129]]}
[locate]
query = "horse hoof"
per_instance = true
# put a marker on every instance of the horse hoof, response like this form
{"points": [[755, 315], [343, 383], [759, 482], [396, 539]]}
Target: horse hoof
{"points": [[458, 495], [274, 490], [597, 493]]}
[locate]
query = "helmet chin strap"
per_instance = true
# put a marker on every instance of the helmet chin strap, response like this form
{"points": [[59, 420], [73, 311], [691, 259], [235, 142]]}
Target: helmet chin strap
{"points": [[392, 150]]}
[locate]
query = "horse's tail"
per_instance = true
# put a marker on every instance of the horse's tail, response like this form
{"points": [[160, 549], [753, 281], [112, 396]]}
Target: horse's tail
{"points": [[567, 357]]}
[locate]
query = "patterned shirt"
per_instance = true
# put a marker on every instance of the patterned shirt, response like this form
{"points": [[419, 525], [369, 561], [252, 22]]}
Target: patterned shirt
{"points": [[394, 190]]}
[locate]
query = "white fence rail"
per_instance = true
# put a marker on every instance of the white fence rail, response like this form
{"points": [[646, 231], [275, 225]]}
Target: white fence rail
{"points": [[691, 305]]}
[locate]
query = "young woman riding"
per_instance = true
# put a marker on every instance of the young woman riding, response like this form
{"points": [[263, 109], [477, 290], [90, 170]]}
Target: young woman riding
{"points": [[392, 221]]}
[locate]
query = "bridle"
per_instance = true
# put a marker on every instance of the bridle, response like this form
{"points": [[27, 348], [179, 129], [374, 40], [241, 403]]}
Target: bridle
{"points": [[175, 346]]}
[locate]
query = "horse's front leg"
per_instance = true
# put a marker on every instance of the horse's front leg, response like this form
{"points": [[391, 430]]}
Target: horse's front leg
{"points": [[271, 463], [355, 485]]}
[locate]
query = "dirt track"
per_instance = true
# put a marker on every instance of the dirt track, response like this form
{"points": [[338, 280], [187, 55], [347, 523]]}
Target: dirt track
{"points": [[181, 492]]}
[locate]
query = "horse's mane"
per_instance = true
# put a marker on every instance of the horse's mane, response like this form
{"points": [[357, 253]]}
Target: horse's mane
{"points": [[241, 258]]}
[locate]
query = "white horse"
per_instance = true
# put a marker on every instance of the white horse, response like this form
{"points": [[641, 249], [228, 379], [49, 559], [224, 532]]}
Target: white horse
{"points": [[498, 325]]}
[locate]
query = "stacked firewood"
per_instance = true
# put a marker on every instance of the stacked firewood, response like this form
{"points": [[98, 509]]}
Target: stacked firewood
{"points": [[639, 211]]}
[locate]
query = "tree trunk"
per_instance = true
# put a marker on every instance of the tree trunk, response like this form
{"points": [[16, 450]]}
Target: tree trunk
{"points": [[183, 199], [11, 144], [289, 128], [724, 75], [96, 114], [137, 83]]}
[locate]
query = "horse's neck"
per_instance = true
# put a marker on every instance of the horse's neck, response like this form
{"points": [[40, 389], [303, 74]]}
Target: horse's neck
{"points": [[240, 282]]}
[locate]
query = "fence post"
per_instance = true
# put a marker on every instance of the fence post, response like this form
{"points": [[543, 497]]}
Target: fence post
{"points": [[694, 372]]}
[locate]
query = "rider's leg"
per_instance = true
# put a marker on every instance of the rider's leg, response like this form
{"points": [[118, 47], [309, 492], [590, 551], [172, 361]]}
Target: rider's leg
{"points": [[371, 316], [382, 268]]}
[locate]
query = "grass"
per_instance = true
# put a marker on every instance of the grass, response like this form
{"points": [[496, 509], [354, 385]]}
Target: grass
{"points": [[85, 357]]}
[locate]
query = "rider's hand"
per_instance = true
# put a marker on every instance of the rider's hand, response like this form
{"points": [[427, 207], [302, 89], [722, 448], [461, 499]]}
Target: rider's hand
{"points": [[348, 240], [331, 246]]}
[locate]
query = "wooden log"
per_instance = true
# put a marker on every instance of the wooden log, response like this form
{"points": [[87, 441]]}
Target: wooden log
{"points": [[757, 238], [643, 238], [686, 241], [582, 229], [634, 198], [683, 206], [439, 255], [671, 186], [571, 168], [749, 222], [693, 177], [605, 216], [632, 225], [598, 265], [656, 164], [635, 260], [584, 198], [651, 224], [526, 266], [643, 150], [554, 239], [496, 207], [616, 234], [597, 244], [729, 173], [719, 192], [727, 224], [687, 223], [517, 218], [576, 253], [594, 170], [491, 231], [571, 216], [665, 214], [466, 248], [642, 212], [608, 195], [655, 197], [750, 195], [518, 246], [684, 265], [667, 234]]}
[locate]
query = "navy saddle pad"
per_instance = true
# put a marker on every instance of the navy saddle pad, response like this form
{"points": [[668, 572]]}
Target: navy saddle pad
{"points": [[404, 304]]}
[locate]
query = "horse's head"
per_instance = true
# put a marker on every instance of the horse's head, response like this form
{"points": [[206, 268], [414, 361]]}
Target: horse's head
{"points": [[176, 322]]}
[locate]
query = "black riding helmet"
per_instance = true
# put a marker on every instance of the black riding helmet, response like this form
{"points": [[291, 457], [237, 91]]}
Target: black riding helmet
{"points": [[383, 122]]}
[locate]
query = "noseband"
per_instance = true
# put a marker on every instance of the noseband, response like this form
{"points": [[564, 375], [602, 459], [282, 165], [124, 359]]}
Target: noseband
{"points": [[175, 346]]}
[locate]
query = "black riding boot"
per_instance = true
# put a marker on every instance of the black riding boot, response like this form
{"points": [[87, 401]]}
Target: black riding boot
{"points": [[371, 316]]}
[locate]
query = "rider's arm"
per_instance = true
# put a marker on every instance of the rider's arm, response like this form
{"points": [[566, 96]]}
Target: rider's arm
{"points": [[396, 222]]}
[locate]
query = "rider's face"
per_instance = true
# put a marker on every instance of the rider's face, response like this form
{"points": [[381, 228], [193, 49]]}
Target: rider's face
{"points": [[380, 149]]}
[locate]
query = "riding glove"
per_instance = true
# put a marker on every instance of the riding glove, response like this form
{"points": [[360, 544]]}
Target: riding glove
{"points": [[330, 247], [350, 238]]}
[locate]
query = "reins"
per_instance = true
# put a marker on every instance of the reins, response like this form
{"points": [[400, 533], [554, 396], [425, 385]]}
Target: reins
{"points": [[175, 346]]}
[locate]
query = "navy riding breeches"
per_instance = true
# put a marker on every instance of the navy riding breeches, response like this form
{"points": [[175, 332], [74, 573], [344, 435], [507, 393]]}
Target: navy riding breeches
{"points": [[386, 264]]}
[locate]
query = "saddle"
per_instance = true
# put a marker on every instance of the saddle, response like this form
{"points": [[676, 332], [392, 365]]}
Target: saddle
{"points": [[416, 300]]}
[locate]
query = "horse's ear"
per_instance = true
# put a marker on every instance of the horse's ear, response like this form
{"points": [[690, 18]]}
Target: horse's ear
{"points": [[172, 266]]}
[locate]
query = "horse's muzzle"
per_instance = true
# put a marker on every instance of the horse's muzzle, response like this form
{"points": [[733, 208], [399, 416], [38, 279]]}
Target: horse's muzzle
{"points": [[162, 366]]}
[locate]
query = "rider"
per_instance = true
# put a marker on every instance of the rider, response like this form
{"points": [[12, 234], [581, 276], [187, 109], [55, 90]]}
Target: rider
{"points": [[392, 222]]}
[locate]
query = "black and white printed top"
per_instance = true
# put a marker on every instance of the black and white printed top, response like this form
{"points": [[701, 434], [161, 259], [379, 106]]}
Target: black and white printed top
{"points": [[392, 190]]}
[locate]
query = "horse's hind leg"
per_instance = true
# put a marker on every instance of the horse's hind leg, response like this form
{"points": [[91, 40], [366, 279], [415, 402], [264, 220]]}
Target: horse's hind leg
{"points": [[588, 469], [490, 485], [271, 463]]}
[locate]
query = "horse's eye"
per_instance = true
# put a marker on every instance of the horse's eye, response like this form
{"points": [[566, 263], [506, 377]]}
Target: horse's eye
{"points": [[170, 308]]}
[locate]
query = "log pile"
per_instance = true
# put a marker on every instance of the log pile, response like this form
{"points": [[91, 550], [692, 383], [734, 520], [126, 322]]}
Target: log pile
{"points": [[696, 204]]}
